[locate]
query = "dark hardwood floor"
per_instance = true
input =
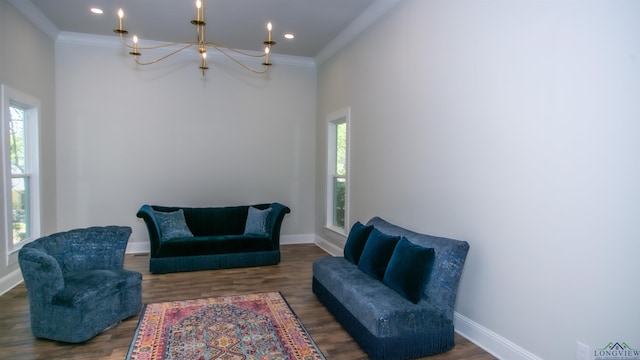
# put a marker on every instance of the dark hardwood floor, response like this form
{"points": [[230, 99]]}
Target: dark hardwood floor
{"points": [[292, 277]]}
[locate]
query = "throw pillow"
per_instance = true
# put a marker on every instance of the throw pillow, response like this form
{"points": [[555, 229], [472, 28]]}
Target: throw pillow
{"points": [[377, 253], [172, 224], [257, 222], [355, 242], [408, 269]]}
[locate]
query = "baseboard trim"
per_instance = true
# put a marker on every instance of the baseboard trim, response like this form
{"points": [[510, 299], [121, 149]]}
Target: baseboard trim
{"points": [[10, 281], [296, 239], [134, 247], [328, 246], [490, 341]]}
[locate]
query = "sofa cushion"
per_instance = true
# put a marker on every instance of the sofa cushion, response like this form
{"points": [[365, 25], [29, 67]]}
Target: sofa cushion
{"points": [[408, 269], [377, 253], [381, 310], [83, 288], [257, 221], [172, 224], [355, 242], [212, 245]]}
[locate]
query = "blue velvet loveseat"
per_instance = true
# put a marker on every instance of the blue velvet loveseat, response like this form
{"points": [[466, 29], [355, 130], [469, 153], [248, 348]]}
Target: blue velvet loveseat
{"points": [[209, 238], [394, 290]]}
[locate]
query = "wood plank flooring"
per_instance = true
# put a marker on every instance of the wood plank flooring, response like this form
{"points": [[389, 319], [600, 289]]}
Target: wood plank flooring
{"points": [[292, 277]]}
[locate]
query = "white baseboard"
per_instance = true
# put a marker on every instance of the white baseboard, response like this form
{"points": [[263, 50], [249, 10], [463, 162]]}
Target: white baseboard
{"points": [[10, 281], [328, 246], [138, 247], [488, 340], [296, 239]]}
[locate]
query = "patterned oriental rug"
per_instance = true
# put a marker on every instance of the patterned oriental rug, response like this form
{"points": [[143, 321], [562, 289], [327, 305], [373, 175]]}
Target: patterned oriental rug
{"points": [[254, 326]]}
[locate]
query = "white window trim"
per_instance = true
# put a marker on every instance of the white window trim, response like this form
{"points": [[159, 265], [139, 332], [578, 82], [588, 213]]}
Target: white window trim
{"points": [[9, 96], [332, 119]]}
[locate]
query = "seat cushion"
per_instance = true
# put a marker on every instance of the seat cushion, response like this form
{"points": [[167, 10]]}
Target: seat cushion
{"points": [[83, 289], [212, 245], [383, 311]]}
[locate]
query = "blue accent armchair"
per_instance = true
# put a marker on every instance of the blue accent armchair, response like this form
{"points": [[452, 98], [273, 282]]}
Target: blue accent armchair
{"points": [[76, 283]]}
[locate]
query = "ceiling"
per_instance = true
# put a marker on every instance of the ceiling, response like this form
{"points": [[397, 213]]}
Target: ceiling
{"points": [[237, 23]]}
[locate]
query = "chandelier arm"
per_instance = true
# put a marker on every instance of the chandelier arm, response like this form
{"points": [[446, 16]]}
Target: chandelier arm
{"points": [[190, 43], [124, 43], [186, 43], [163, 57], [219, 46], [266, 69]]}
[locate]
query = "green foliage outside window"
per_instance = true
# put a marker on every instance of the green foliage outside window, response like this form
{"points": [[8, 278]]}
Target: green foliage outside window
{"points": [[339, 202], [19, 183], [341, 149], [339, 184]]}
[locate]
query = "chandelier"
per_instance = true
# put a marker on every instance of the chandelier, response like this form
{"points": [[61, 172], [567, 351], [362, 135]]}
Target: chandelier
{"points": [[200, 43]]}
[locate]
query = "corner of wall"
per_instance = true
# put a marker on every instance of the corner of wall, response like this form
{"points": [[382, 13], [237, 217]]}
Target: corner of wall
{"points": [[490, 341], [10, 281], [328, 246]]}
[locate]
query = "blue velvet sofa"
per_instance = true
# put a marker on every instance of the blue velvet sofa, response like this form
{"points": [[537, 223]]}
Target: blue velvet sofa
{"points": [[76, 283], [214, 237], [400, 307]]}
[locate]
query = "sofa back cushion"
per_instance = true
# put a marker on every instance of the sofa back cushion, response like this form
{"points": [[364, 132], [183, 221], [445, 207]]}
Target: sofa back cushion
{"points": [[409, 269], [172, 224], [213, 221], [356, 240], [442, 282], [377, 253], [257, 222], [92, 248]]}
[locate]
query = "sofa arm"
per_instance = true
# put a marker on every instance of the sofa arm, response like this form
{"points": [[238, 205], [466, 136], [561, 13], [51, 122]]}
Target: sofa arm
{"points": [[277, 215], [40, 271], [146, 213]]}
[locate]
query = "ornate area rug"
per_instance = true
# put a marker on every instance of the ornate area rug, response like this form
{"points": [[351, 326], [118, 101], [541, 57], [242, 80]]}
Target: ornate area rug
{"points": [[255, 326]]}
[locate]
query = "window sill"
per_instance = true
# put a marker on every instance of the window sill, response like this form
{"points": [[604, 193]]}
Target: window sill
{"points": [[336, 231]]}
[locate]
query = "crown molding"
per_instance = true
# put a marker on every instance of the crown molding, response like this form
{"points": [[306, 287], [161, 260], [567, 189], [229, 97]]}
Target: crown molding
{"points": [[361, 23], [36, 16], [80, 39]]}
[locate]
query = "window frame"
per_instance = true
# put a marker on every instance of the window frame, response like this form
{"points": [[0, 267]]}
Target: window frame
{"points": [[10, 97], [333, 120]]}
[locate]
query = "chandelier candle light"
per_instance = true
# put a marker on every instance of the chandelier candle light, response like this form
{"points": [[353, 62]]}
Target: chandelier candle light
{"points": [[199, 22]]}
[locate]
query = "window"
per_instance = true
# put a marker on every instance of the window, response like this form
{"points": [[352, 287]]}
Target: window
{"points": [[337, 170], [20, 170]]}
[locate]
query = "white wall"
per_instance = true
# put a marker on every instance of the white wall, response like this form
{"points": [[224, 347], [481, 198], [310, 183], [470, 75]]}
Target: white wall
{"points": [[163, 135], [513, 125], [27, 65]]}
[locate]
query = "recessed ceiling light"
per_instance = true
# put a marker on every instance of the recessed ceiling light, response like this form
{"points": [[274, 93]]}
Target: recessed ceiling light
{"points": [[289, 36], [96, 11]]}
